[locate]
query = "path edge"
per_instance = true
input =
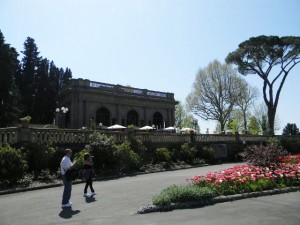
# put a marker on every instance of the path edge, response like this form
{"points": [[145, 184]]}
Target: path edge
{"points": [[219, 199]]}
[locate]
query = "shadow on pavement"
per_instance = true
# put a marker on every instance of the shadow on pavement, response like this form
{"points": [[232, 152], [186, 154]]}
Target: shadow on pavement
{"points": [[90, 199], [67, 213]]}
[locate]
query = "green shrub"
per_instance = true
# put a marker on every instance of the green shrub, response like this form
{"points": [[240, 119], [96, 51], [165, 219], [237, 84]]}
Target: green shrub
{"points": [[12, 165], [162, 155], [274, 140], [208, 153], [39, 156], [129, 160], [139, 148], [46, 176], [175, 194], [176, 154], [79, 158], [188, 153], [234, 152], [104, 150], [292, 147], [26, 180]]}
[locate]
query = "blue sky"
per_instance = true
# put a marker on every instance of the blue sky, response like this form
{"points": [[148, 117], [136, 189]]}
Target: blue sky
{"points": [[154, 44]]}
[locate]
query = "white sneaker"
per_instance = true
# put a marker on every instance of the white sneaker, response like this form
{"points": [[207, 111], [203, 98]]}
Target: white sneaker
{"points": [[66, 205], [93, 193], [86, 195], [70, 203]]}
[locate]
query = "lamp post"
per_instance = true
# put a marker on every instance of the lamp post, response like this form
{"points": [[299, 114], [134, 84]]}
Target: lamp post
{"points": [[59, 112]]}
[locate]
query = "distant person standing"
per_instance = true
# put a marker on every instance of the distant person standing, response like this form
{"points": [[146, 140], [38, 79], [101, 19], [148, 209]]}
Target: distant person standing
{"points": [[88, 175], [66, 165]]}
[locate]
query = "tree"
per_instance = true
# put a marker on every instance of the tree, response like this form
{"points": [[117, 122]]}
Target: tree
{"points": [[261, 114], [235, 122], [215, 92], [41, 106], [27, 78], [180, 114], [259, 55], [9, 95], [184, 119], [246, 100], [254, 127], [290, 129], [65, 77]]}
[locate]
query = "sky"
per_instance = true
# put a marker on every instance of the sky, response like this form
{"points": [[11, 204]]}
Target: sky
{"points": [[153, 44]]}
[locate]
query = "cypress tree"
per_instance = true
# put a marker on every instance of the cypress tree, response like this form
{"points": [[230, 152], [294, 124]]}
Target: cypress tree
{"points": [[9, 95]]}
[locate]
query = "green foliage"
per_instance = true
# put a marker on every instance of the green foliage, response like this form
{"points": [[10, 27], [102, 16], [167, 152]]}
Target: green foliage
{"points": [[233, 125], [234, 151], [9, 94], [104, 150], [162, 155], [79, 157], [175, 194], [12, 164], [188, 152], [46, 176], [39, 157], [253, 127], [129, 160], [274, 140], [26, 180], [208, 153], [290, 129], [261, 55]]}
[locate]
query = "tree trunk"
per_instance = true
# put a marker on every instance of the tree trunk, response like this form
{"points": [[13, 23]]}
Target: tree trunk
{"points": [[245, 122], [271, 120]]}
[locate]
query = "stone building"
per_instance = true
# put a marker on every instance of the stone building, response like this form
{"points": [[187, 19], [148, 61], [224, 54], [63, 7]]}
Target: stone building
{"points": [[108, 104]]}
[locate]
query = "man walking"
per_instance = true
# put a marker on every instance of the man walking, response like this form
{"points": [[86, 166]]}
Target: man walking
{"points": [[65, 165]]}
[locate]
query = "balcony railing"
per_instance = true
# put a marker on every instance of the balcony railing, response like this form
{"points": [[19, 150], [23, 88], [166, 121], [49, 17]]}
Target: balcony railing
{"points": [[10, 136]]}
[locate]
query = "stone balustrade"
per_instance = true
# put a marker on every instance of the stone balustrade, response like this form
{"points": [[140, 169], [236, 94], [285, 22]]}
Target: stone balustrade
{"points": [[10, 136]]}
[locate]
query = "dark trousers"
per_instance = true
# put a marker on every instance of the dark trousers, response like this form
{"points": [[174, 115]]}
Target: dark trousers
{"points": [[67, 190], [88, 182]]}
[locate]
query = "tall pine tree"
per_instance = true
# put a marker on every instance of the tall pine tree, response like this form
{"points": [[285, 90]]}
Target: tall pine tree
{"points": [[27, 80], [9, 95]]}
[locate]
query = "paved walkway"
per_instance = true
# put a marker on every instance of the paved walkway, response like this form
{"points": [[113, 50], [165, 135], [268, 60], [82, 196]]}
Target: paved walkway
{"points": [[119, 199]]}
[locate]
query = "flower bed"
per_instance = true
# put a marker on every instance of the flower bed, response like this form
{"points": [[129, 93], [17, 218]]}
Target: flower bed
{"points": [[240, 179], [291, 159], [247, 178]]}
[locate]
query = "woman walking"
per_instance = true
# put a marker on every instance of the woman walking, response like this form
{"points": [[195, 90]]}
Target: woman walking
{"points": [[88, 175]]}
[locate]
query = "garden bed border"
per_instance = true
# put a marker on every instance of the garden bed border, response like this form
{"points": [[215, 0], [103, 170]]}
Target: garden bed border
{"points": [[211, 201]]}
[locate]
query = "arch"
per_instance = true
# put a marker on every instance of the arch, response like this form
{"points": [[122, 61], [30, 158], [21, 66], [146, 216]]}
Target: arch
{"points": [[103, 116], [158, 119], [132, 118]]}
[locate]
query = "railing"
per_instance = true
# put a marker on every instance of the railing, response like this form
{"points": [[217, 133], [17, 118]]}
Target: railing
{"points": [[10, 136], [118, 89]]}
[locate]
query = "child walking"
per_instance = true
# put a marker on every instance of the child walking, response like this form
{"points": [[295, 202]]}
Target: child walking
{"points": [[88, 175]]}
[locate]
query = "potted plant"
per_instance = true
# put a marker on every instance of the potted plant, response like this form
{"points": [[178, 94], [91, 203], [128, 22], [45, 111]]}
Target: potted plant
{"points": [[25, 121]]}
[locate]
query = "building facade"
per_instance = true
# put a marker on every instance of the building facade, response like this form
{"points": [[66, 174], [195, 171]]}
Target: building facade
{"points": [[107, 104]]}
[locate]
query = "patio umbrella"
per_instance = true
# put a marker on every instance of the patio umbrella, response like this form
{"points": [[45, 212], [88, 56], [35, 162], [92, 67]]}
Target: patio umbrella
{"points": [[116, 127], [146, 128], [170, 128], [187, 130]]}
